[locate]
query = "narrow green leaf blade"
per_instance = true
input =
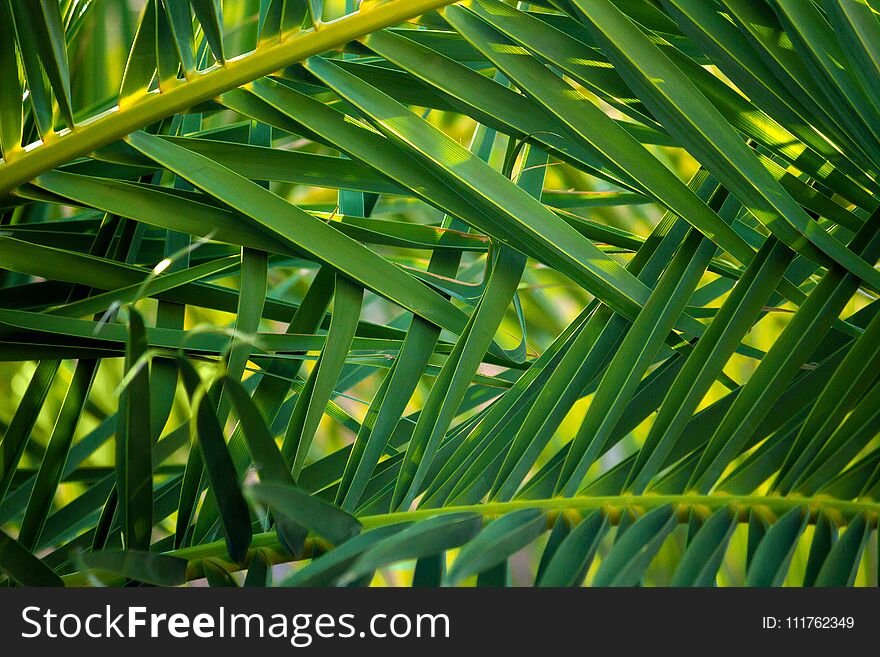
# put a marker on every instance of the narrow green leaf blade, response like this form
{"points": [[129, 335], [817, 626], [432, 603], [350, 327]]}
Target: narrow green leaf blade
{"points": [[575, 553], [498, 541], [307, 510]]}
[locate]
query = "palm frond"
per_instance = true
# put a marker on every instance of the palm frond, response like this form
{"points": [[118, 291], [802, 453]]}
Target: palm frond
{"points": [[545, 293]]}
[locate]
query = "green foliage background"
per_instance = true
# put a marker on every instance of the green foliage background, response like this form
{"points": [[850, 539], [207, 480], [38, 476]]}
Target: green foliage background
{"points": [[421, 292]]}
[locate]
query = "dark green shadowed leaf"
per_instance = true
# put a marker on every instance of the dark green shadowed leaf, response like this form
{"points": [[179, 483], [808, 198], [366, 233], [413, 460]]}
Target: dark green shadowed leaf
{"points": [[259, 573], [561, 529], [430, 537], [701, 560], [180, 22], [217, 575], [146, 567], [429, 572], [22, 566], [770, 563], [282, 16], [323, 519], [266, 456], [626, 562], [53, 464], [575, 552], [40, 26], [18, 431], [234, 512], [496, 577], [824, 537], [329, 568], [134, 441], [498, 541], [842, 562], [209, 15], [10, 92]]}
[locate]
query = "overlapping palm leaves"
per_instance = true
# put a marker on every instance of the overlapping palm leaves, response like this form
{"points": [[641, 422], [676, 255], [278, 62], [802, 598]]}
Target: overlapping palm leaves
{"points": [[128, 208]]}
